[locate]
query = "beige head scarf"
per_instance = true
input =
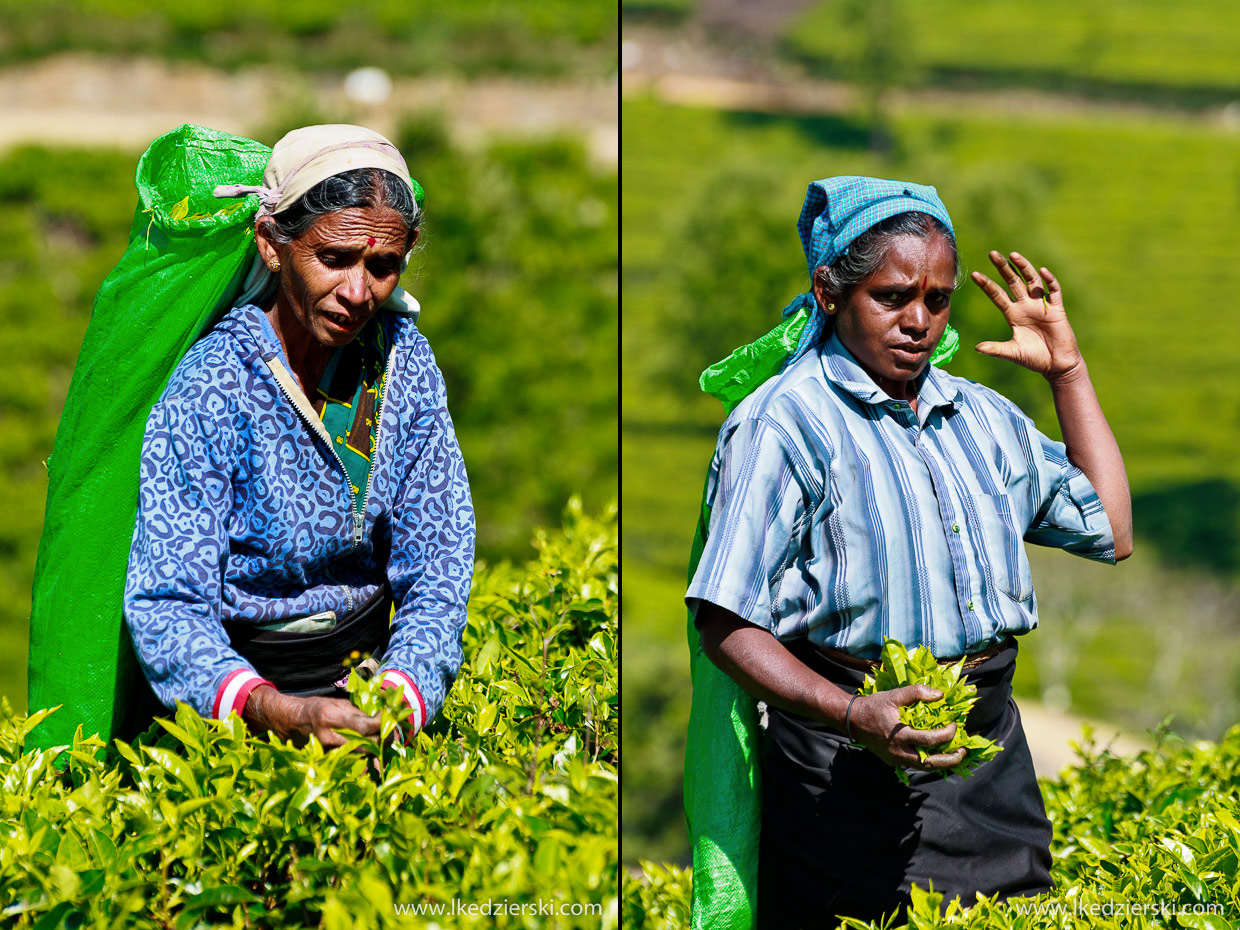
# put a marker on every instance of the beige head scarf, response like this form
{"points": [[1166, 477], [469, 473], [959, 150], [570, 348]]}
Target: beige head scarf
{"points": [[307, 156], [304, 158]]}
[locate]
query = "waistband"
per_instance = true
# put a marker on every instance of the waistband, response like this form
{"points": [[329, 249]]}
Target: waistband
{"points": [[971, 660], [992, 676], [312, 662]]}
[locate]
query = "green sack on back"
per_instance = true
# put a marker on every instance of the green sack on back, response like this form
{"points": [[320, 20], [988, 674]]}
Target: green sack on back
{"points": [[188, 254], [722, 785]]}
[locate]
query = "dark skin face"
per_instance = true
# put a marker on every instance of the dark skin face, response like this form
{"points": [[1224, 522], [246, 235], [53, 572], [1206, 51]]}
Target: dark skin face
{"points": [[892, 320], [333, 277]]}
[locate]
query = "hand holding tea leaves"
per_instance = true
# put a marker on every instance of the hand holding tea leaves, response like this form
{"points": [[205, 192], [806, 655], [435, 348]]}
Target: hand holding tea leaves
{"points": [[299, 718], [388, 706], [932, 701]]}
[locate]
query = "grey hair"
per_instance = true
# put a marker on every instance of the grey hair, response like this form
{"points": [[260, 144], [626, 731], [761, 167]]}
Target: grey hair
{"points": [[869, 251], [360, 187]]}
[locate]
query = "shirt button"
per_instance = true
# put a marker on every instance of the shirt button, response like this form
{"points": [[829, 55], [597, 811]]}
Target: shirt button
{"points": [[955, 527], [970, 605]]}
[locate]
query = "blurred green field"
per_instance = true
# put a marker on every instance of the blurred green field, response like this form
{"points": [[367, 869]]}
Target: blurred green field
{"points": [[665, 10], [519, 304], [1157, 49], [472, 37], [1140, 223]]}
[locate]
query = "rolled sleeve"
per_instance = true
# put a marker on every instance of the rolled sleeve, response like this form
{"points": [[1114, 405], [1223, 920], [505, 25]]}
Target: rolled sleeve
{"points": [[1071, 516], [757, 507]]}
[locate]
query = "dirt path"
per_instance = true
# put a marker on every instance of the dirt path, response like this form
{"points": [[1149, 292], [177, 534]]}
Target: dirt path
{"points": [[79, 99], [1051, 734], [687, 69]]}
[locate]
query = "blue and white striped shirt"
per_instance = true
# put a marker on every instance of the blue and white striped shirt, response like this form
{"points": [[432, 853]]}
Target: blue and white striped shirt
{"points": [[839, 514]]}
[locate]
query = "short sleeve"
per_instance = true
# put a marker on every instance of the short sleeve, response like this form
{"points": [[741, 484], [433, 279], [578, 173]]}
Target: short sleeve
{"points": [[1071, 517], [758, 505]]}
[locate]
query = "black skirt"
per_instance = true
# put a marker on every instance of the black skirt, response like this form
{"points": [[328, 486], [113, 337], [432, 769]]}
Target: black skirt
{"points": [[841, 836]]}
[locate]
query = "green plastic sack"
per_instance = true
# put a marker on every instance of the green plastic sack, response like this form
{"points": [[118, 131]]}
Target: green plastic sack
{"points": [[723, 799], [722, 785], [188, 254]]}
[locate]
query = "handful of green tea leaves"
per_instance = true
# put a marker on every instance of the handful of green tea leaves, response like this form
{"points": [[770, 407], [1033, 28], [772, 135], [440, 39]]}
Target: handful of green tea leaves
{"points": [[898, 669]]}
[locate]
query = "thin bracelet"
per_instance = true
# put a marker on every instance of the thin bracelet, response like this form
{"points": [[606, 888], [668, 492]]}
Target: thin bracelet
{"points": [[847, 715]]}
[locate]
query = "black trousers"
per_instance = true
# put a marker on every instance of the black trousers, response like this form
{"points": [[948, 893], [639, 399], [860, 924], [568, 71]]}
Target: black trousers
{"points": [[841, 836]]}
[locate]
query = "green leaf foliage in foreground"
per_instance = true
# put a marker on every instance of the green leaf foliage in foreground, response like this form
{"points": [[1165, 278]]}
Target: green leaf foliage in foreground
{"points": [[900, 668], [1139, 842], [506, 802]]}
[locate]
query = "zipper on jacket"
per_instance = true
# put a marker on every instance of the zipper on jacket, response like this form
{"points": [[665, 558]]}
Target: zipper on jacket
{"points": [[359, 520]]}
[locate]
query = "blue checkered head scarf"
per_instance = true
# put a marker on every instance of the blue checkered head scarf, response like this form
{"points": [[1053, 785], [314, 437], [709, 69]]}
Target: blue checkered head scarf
{"points": [[835, 213]]}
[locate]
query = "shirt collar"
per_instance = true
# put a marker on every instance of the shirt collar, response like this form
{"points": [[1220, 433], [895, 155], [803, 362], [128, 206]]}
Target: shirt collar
{"points": [[934, 387]]}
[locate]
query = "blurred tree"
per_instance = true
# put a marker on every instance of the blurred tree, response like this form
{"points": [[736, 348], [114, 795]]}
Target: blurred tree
{"points": [[728, 284]]}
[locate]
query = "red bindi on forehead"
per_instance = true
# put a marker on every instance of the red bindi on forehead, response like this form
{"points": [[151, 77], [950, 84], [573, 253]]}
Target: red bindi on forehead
{"points": [[924, 279], [371, 242]]}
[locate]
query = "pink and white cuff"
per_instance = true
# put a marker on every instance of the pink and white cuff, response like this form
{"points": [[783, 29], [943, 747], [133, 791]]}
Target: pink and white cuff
{"points": [[235, 691], [394, 678]]}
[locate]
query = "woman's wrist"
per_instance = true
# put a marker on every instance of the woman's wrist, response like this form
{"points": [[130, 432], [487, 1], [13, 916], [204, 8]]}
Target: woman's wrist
{"points": [[264, 709], [1072, 374], [832, 705]]}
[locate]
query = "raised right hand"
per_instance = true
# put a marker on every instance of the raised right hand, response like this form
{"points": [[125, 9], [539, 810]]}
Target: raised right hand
{"points": [[296, 718], [875, 723]]}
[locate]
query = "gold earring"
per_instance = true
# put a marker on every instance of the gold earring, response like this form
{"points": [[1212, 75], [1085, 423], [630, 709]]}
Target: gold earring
{"points": [[274, 264], [830, 308]]}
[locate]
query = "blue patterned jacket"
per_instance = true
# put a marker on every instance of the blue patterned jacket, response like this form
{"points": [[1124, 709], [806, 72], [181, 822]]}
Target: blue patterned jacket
{"points": [[245, 514]]}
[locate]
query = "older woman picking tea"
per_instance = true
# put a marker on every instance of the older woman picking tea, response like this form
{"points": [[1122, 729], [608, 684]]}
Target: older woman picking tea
{"points": [[303, 500]]}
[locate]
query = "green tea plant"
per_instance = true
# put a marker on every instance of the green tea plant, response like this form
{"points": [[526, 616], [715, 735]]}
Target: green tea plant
{"points": [[506, 801], [1138, 842], [471, 37], [900, 668]]}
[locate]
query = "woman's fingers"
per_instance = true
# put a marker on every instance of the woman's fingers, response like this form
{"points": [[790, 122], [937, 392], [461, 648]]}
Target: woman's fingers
{"points": [[928, 739], [332, 714], [1054, 293], [1005, 350], [1015, 283], [945, 761], [992, 290], [911, 694], [1032, 279]]}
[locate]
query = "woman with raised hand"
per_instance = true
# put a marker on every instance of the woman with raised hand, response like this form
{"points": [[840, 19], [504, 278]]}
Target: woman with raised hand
{"points": [[862, 493], [302, 499]]}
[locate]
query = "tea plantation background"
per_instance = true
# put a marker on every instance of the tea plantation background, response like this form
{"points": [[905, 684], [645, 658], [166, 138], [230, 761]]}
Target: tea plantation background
{"points": [[516, 271], [1104, 143]]}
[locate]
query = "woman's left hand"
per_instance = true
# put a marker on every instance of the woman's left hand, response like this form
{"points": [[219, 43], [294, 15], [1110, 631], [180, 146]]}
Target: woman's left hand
{"points": [[1042, 339]]}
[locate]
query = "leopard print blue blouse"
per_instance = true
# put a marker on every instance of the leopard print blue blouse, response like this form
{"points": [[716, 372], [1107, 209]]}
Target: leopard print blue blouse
{"points": [[245, 514]]}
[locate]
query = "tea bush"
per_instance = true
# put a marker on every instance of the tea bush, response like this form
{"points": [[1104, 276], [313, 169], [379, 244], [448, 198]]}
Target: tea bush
{"points": [[1151, 52], [1146, 841], [470, 37], [506, 803]]}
